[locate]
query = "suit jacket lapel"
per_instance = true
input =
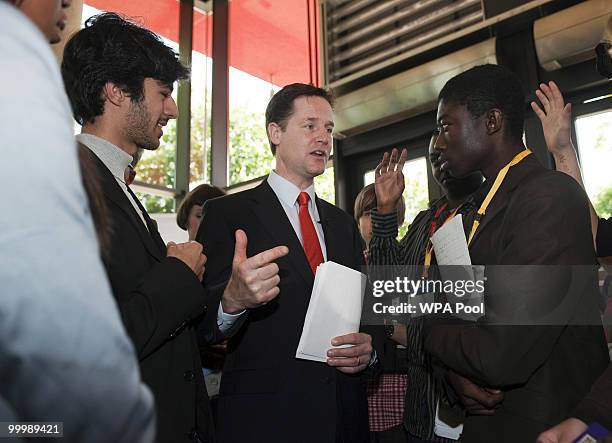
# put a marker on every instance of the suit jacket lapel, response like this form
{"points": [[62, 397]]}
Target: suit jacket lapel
{"points": [[114, 193], [332, 238], [151, 225], [272, 216]]}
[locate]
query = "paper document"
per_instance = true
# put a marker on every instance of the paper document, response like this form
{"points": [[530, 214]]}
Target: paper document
{"points": [[450, 244], [334, 309], [448, 424]]}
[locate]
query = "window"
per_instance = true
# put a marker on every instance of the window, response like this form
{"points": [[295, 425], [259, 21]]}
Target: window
{"points": [[594, 134], [272, 44], [201, 87]]}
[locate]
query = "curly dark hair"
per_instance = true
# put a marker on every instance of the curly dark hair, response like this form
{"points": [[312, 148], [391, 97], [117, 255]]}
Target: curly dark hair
{"points": [[280, 108], [111, 48], [486, 87]]}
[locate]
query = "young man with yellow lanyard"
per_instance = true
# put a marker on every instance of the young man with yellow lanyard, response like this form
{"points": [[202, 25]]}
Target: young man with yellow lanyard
{"points": [[532, 233]]}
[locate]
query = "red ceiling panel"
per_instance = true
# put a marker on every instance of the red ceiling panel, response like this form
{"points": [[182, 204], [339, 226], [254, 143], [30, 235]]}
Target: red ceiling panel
{"points": [[269, 39]]}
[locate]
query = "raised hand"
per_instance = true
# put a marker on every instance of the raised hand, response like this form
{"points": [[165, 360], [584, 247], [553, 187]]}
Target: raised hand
{"points": [[254, 281], [555, 117], [353, 358], [189, 253], [389, 180]]}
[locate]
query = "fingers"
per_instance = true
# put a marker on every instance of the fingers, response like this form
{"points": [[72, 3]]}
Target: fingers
{"points": [[269, 284], [350, 352], [354, 338], [543, 98], [538, 111], [393, 159], [402, 159], [556, 94], [353, 358], [268, 256], [267, 271], [550, 96], [240, 249], [383, 166], [545, 438]]}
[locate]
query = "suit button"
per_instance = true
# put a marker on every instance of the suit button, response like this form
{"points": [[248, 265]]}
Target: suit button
{"points": [[189, 375], [328, 380], [192, 435]]}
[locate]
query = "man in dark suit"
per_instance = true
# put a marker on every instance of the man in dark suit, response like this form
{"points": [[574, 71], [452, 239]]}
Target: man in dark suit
{"points": [[536, 224], [119, 78], [277, 397]]}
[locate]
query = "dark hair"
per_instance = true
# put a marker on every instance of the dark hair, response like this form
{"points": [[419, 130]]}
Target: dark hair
{"points": [[280, 108], [197, 196], [112, 49], [366, 201], [485, 87]]}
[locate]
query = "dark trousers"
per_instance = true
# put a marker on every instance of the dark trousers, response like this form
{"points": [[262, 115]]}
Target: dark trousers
{"points": [[396, 434]]}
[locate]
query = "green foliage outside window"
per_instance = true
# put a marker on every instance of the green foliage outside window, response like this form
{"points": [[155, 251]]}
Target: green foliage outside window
{"points": [[603, 203]]}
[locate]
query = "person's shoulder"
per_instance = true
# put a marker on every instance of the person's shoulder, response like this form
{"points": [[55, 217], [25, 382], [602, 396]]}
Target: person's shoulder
{"points": [[334, 210], [233, 200], [552, 189], [553, 182]]}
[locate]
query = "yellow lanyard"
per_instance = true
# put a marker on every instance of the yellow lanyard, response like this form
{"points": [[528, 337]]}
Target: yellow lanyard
{"points": [[498, 181]]}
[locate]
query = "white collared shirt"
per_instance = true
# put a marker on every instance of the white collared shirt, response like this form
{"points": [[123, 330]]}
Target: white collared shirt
{"points": [[287, 193], [115, 159]]}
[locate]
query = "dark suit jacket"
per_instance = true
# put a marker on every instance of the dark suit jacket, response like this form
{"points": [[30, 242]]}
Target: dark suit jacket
{"points": [[267, 395], [538, 217], [157, 297]]}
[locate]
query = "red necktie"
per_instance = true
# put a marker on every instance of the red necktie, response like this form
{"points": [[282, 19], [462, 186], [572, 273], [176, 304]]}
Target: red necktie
{"points": [[312, 247]]}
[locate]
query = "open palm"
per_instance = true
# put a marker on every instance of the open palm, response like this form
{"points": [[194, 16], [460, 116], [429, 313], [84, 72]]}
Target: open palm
{"points": [[389, 180], [555, 117]]}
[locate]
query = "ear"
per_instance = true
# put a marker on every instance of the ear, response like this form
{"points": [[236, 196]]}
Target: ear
{"points": [[494, 121], [274, 132], [114, 94]]}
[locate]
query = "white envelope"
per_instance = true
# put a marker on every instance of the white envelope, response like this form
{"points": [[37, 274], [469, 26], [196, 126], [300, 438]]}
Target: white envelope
{"points": [[334, 309]]}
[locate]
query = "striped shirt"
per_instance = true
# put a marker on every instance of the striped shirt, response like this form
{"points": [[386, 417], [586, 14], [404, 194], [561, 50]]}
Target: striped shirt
{"points": [[424, 390]]}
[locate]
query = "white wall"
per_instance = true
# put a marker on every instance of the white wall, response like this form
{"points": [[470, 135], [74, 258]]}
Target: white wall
{"points": [[169, 230]]}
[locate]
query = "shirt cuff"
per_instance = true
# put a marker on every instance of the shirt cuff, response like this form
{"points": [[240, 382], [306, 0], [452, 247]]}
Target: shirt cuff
{"points": [[373, 358], [384, 225], [226, 321]]}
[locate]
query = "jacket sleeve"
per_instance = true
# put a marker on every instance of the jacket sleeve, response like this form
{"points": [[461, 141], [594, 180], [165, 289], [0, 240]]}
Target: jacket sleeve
{"points": [[604, 237], [546, 223], [218, 239], [166, 299]]}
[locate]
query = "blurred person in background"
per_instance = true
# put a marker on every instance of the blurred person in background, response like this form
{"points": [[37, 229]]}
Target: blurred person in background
{"points": [[189, 214]]}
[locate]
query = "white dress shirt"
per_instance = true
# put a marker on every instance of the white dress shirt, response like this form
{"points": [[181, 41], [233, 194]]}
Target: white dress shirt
{"points": [[115, 159], [287, 193]]}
